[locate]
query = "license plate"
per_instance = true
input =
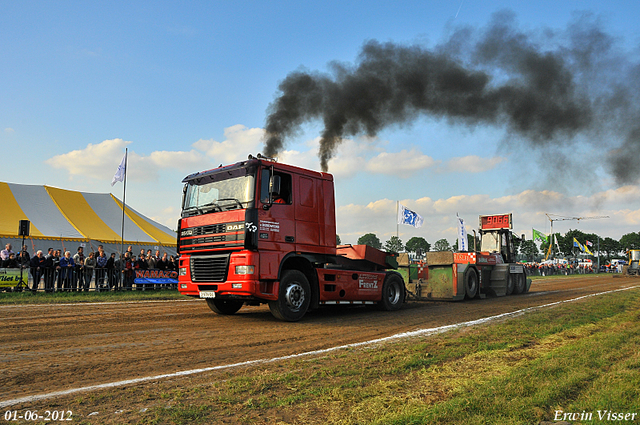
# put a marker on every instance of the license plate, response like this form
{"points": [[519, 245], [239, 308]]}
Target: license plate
{"points": [[207, 294]]}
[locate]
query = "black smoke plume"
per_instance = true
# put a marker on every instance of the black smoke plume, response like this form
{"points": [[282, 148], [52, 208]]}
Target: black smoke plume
{"points": [[546, 89]]}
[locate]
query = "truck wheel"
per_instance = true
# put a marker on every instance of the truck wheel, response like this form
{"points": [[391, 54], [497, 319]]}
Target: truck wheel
{"points": [[225, 307], [294, 297], [470, 283], [392, 293], [511, 283], [521, 284]]}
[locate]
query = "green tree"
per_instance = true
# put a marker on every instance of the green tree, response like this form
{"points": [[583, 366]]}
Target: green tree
{"points": [[610, 247], [630, 241], [442, 245], [338, 241], [370, 239], [394, 244], [418, 244], [529, 249]]}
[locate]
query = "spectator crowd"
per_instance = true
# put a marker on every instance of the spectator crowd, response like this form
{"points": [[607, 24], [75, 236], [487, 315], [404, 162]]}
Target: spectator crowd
{"points": [[58, 271]]}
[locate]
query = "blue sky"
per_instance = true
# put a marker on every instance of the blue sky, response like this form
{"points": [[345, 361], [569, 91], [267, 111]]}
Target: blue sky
{"points": [[186, 86]]}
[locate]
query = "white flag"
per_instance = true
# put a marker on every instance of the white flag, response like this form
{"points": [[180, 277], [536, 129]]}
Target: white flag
{"points": [[406, 216], [122, 169], [462, 236]]}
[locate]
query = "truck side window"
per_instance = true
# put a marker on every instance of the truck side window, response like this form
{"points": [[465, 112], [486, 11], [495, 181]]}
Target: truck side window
{"points": [[283, 196]]}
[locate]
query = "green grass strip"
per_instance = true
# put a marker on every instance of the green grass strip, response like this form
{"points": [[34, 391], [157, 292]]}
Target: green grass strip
{"points": [[577, 358]]}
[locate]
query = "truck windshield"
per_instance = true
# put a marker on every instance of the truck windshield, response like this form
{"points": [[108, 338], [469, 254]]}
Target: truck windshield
{"points": [[490, 242], [235, 192]]}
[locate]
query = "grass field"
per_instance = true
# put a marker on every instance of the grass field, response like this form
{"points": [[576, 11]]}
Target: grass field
{"points": [[578, 359]]}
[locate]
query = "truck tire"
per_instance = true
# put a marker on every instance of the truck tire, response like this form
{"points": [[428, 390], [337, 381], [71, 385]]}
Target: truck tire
{"points": [[521, 283], [511, 283], [225, 307], [392, 293], [294, 297], [470, 283]]}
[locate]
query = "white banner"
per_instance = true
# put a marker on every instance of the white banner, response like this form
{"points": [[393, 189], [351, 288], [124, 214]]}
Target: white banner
{"points": [[462, 235]]}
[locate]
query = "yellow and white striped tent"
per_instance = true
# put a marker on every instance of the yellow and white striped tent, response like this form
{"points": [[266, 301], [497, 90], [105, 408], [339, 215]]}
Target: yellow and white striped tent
{"points": [[71, 219]]}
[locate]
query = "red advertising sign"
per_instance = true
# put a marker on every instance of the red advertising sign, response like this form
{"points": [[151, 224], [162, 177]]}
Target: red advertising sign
{"points": [[498, 221]]}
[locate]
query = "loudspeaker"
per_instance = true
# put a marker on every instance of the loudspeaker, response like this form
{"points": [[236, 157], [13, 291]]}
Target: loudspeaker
{"points": [[23, 230]]}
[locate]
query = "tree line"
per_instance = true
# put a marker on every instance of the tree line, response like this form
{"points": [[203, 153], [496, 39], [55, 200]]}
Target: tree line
{"points": [[607, 247]]}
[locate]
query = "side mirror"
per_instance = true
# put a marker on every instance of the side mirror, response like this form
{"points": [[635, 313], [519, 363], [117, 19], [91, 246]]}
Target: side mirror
{"points": [[274, 189], [274, 185]]}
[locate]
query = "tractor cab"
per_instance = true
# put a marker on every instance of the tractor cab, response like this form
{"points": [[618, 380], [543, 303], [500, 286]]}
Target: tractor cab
{"points": [[634, 262], [498, 241], [496, 236]]}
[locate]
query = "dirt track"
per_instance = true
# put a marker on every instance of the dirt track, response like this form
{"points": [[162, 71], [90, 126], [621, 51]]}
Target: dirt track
{"points": [[47, 348]]}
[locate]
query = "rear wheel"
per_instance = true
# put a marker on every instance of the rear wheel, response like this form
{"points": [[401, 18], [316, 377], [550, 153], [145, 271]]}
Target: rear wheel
{"points": [[470, 283], [392, 293], [225, 307], [521, 283], [511, 283], [294, 297]]}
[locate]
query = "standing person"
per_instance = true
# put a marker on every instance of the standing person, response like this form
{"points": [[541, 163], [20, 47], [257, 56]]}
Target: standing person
{"points": [[49, 271], [151, 261], [101, 264], [11, 262], [24, 258], [142, 254], [164, 262], [111, 272], [67, 266], [89, 265], [37, 270], [128, 271], [78, 258], [56, 267], [4, 254]]}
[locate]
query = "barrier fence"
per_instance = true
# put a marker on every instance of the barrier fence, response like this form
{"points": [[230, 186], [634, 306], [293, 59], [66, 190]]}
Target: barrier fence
{"points": [[76, 279]]}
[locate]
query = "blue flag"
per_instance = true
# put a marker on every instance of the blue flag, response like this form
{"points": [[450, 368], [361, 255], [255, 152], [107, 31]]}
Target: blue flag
{"points": [[406, 216]]}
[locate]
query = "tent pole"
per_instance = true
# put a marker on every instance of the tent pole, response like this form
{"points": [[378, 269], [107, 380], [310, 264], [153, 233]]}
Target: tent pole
{"points": [[124, 195]]}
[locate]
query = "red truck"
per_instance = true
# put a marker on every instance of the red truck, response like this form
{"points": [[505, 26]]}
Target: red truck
{"points": [[259, 231], [263, 232]]}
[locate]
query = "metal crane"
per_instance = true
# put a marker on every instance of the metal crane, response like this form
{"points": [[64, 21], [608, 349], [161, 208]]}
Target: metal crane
{"points": [[556, 217]]}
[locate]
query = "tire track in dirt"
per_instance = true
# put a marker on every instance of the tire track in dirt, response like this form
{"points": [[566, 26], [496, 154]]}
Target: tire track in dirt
{"points": [[51, 348]]}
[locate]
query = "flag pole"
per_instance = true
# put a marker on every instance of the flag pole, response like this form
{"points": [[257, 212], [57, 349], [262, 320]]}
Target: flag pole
{"points": [[397, 224], [124, 196]]}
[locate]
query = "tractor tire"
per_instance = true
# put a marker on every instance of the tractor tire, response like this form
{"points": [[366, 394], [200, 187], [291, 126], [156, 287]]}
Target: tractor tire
{"points": [[225, 307], [511, 283], [392, 293], [470, 283], [294, 297], [521, 283]]}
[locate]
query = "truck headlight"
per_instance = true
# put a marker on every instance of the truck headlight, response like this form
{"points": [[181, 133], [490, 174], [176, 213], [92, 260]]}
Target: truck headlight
{"points": [[182, 271], [245, 269]]}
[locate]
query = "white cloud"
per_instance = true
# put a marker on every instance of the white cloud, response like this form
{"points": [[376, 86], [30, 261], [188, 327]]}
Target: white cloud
{"points": [[100, 161], [9, 130], [96, 161], [239, 142], [400, 164]]}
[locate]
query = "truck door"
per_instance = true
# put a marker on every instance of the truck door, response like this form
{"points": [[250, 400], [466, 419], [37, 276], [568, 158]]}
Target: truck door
{"points": [[306, 211], [276, 224]]}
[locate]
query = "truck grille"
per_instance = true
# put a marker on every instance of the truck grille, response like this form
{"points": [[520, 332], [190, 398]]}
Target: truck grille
{"points": [[210, 268]]}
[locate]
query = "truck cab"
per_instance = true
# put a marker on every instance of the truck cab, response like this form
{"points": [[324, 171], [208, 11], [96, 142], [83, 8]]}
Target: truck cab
{"points": [[263, 232]]}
